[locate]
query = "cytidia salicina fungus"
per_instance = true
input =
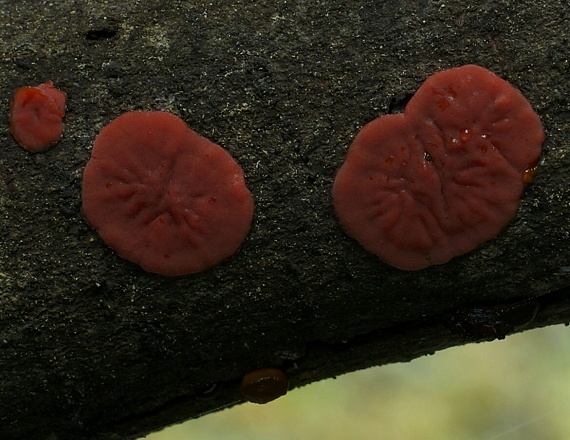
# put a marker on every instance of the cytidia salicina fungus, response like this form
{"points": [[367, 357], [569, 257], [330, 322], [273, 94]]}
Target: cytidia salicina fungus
{"points": [[36, 115], [163, 196], [446, 175], [264, 385]]}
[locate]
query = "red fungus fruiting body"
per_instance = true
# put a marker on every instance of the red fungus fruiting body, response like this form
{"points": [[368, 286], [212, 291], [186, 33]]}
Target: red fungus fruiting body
{"points": [[264, 385], [164, 197], [436, 181], [36, 115]]}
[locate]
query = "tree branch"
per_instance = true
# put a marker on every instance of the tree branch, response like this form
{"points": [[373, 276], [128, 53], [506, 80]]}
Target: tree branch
{"points": [[93, 347]]}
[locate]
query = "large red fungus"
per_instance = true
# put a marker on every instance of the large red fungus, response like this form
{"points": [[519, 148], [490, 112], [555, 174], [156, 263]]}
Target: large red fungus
{"points": [[36, 116], [164, 197], [436, 181]]}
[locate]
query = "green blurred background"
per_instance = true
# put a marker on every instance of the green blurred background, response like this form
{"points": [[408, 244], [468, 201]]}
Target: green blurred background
{"points": [[518, 388]]}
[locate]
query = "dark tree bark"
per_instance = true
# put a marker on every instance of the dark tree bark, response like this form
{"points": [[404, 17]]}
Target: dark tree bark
{"points": [[92, 347]]}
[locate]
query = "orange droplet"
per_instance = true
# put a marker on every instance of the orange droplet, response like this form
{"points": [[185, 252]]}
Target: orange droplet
{"points": [[264, 385], [465, 135], [528, 174]]}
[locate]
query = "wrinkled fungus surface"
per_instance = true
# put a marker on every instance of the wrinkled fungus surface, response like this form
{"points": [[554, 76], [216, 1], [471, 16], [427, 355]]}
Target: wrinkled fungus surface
{"points": [[421, 187], [164, 197], [36, 115]]}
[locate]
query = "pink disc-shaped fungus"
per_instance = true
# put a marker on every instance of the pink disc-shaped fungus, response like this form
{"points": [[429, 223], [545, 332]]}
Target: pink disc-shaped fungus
{"points": [[164, 197], [421, 187], [36, 115]]}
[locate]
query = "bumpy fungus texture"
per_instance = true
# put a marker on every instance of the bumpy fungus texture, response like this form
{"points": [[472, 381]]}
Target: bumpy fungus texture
{"points": [[264, 385], [36, 116], [421, 187], [164, 197]]}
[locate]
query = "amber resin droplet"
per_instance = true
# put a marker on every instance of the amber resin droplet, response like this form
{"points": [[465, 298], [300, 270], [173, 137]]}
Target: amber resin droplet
{"points": [[528, 174], [264, 385]]}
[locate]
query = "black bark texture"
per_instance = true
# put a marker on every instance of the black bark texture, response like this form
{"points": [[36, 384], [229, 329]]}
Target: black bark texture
{"points": [[93, 347]]}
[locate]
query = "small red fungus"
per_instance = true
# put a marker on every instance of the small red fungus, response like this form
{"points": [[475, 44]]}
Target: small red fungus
{"points": [[264, 385], [163, 196], [36, 116], [421, 187]]}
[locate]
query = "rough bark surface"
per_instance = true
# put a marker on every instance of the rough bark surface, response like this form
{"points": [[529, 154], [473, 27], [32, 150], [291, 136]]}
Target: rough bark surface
{"points": [[93, 347]]}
